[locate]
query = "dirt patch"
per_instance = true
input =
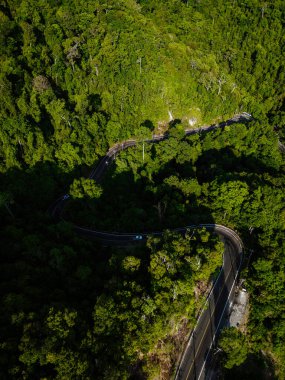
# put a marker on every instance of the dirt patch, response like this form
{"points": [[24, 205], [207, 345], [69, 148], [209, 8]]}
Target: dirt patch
{"points": [[201, 288], [167, 352]]}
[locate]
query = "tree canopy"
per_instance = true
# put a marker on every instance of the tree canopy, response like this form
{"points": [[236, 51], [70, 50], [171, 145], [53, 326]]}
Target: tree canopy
{"points": [[77, 77]]}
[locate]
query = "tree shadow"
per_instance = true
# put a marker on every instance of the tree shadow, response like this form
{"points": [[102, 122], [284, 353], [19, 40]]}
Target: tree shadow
{"points": [[95, 102], [134, 203], [56, 259], [44, 264], [129, 204], [174, 123], [256, 367], [33, 189], [148, 124], [224, 162]]}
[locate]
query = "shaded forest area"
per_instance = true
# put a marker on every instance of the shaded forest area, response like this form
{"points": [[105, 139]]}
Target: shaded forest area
{"points": [[77, 77], [234, 177]]}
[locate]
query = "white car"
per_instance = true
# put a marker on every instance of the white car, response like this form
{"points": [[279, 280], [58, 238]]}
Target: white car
{"points": [[138, 237]]}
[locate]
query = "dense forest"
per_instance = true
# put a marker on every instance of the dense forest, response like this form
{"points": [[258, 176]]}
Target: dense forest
{"points": [[77, 77]]}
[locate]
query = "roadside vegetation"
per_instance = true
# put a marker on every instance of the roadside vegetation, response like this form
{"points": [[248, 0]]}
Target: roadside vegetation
{"points": [[77, 77]]}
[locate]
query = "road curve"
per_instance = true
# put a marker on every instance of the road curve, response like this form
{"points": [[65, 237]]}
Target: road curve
{"points": [[195, 360]]}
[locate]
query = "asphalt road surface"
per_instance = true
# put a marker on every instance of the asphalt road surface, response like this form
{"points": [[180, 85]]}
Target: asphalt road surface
{"points": [[195, 361]]}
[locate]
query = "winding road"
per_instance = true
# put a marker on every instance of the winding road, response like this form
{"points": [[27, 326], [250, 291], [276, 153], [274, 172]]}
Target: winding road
{"points": [[196, 358]]}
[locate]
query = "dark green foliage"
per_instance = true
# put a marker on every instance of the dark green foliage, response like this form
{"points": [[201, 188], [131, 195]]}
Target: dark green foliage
{"points": [[237, 180], [78, 76], [234, 345], [150, 300]]}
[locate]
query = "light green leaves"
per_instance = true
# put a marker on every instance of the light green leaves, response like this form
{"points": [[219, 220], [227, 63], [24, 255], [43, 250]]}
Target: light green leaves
{"points": [[85, 187]]}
